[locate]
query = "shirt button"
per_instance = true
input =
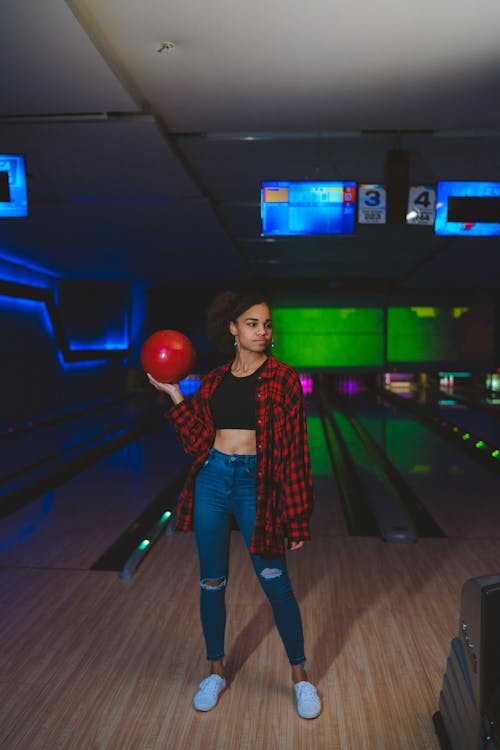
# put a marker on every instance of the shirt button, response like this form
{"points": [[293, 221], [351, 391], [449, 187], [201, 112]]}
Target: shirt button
{"points": [[259, 421], [259, 446]]}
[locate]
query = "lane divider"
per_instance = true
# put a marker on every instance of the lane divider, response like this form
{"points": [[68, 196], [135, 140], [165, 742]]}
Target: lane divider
{"points": [[144, 546]]}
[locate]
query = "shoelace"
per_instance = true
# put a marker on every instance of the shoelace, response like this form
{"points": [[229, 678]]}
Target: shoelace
{"points": [[210, 686], [307, 691]]}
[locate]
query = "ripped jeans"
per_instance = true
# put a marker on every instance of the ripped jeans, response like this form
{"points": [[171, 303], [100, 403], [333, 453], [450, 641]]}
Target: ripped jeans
{"points": [[225, 486]]}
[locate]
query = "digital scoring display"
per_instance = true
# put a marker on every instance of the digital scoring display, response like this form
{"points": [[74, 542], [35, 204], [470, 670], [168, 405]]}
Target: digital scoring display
{"points": [[308, 208], [468, 209], [13, 192]]}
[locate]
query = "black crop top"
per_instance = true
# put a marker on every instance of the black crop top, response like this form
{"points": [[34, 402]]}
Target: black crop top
{"points": [[233, 402]]}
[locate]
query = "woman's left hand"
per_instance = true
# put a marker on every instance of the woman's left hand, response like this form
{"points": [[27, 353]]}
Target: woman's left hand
{"points": [[296, 545]]}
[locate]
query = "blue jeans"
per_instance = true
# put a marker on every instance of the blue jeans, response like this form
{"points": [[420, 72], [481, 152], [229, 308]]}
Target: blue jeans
{"points": [[225, 486]]}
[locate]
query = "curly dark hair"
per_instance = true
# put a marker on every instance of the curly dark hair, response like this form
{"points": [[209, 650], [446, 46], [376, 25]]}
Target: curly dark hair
{"points": [[227, 307]]}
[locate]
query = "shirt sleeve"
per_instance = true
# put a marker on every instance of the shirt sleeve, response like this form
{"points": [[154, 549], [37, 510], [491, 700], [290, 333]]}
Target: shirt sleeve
{"points": [[193, 430], [297, 474]]}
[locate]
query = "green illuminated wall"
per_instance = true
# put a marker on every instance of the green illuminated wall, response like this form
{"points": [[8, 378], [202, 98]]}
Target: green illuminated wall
{"points": [[309, 337], [376, 336], [440, 334]]}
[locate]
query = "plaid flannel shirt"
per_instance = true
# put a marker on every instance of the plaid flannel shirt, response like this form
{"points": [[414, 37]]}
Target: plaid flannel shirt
{"points": [[284, 490]]}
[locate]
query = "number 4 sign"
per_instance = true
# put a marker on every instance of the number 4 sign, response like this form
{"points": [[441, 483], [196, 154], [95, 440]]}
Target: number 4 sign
{"points": [[421, 205]]}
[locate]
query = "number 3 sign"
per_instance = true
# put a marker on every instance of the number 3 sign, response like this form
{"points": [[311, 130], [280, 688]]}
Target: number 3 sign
{"points": [[372, 204]]}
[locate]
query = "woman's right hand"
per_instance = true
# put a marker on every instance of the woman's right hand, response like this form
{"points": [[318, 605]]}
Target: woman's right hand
{"points": [[171, 389]]}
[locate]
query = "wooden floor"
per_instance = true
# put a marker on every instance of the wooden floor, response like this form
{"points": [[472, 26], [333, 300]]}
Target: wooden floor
{"points": [[89, 662]]}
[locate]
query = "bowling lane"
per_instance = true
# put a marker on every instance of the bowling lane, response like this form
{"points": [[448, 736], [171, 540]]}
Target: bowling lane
{"points": [[74, 524], [32, 448], [328, 517], [480, 423], [461, 495], [78, 521]]}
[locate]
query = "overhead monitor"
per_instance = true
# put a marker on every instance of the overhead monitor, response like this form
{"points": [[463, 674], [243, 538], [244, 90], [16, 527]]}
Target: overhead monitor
{"points": [[468, 209], [13, 193], [308, 208]]}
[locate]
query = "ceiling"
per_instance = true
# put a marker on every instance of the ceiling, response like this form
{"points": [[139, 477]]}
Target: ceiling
{"points": [[149, 126]]}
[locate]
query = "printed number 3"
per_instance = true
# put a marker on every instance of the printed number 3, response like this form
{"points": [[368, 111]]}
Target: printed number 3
{"points": [[372, 197]]}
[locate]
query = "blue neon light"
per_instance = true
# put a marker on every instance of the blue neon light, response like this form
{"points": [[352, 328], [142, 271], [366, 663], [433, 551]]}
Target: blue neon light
{"points": [[109, 344], [30, 306], [190, 385], [11, 269], [38, 307], [13, 180], [18, 272], [447, 190]]}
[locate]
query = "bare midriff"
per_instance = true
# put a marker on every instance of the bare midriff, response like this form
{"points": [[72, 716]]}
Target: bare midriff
{"points": [[235, 441]]}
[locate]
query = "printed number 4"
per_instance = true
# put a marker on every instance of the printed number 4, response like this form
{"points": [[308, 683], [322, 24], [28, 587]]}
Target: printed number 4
{"points": [[423, 199]]}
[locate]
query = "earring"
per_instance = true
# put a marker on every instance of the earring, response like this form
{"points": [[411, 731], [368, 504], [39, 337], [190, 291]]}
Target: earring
{"points": [[235, 341], [272, 343]]}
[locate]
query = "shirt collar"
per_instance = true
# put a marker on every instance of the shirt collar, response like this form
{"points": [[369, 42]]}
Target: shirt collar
{"points": [[266, 372], [270, 367]]}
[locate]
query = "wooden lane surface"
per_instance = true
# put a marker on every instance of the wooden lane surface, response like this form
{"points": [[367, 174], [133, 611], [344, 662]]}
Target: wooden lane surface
{"points": [[464, 501], [459, 493], [72, 526], [89, 662]]}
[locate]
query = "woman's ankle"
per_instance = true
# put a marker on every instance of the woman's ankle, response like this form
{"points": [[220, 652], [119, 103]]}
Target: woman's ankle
{"points": [[217, 667], [299, 673]]}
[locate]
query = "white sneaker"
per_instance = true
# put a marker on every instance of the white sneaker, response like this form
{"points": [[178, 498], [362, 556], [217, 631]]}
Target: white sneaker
{"points": [[308, 701], [207, 696]]}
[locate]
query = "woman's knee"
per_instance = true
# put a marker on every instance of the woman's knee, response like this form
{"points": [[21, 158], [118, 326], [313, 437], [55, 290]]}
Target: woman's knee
{"points": [[275, 582], [213, 584]]}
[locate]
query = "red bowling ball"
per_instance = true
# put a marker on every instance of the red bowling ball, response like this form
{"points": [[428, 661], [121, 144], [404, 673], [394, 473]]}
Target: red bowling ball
{"points": [[168, 356]]}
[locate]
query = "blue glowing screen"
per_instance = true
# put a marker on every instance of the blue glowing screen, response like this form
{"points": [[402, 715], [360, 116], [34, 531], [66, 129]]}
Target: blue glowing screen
{"points": [[13, 193], [468, 209], [308, 208]]}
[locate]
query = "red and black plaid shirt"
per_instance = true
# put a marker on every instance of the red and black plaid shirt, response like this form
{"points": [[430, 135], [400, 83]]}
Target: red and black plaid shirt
{"points": [[284, 490]]}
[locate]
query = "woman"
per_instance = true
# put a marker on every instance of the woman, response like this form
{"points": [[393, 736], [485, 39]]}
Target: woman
{"points": [[246, 429]]}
